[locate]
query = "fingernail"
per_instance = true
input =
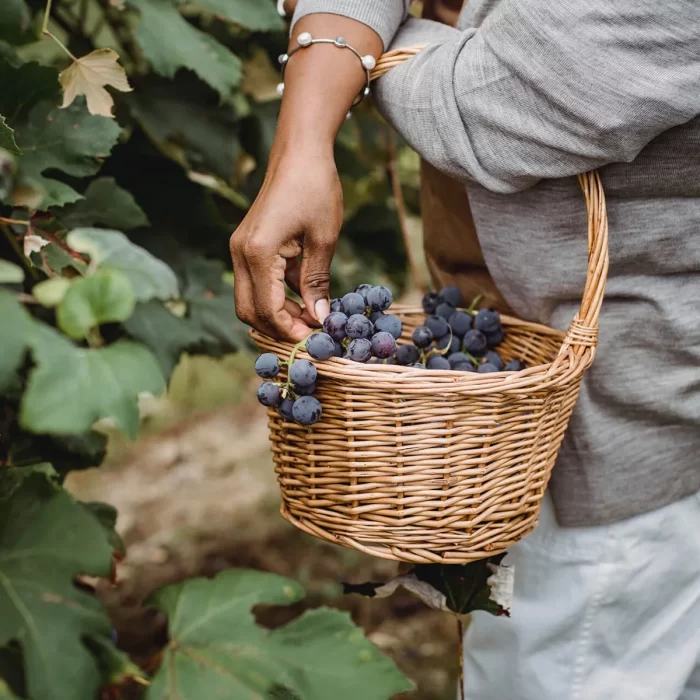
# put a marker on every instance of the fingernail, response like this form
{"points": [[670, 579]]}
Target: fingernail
{"points": [[322, 309]]}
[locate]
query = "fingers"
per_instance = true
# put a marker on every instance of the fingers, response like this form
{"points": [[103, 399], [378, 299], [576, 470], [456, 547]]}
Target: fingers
{"points": [[315, 273], [259, 291]]}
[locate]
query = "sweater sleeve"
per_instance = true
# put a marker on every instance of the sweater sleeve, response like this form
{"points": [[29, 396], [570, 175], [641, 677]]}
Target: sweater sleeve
{"points": [[384, 16], [544, 89]]}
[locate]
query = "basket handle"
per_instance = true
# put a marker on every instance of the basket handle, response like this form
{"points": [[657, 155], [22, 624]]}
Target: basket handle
{"points": [[583, 331]]}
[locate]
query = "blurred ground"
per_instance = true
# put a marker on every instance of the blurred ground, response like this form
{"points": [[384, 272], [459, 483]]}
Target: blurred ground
{"points": [[197, 494]]}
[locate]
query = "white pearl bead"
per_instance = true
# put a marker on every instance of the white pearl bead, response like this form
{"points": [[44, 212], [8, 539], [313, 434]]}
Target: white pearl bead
{"points": [[304, 39], [340, 41], [366, 92], [283, 58], [280, 89], [369, 62], [348, 115]]}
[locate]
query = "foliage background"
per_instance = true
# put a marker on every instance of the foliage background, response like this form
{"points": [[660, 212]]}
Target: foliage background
{"points": [[114, 285]]}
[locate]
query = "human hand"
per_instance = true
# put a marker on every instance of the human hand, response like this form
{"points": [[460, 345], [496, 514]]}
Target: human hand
{"points": [[297, 214]]}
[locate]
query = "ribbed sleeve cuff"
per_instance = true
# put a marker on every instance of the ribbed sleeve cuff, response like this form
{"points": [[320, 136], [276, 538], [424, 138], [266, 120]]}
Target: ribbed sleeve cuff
{"points": [[384, 16]]}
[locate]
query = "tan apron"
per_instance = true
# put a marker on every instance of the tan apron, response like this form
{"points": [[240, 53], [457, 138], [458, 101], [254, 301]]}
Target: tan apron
{"points": [[451, 245]]}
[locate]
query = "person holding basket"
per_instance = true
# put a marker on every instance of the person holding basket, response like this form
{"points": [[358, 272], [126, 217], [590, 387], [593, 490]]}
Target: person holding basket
{"points": [[515, 102]]}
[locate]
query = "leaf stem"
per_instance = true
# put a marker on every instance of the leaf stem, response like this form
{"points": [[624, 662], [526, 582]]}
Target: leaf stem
{"points": [[15, 222], [12, 240], [45, 30]]}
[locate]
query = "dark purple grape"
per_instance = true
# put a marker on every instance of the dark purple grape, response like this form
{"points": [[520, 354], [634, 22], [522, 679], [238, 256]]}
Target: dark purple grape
{"points": [[475, 343], [375, 316], [390, 361], [285, 408], [303, 373], [495, 339], [379, 298], [359, 326], [453, 343], [363, 289], [267, 366], [320, 346], [451, 295], [438, 362], [336, 304], [493, 358], [334, 324], [457, 358], [307, 410], [407, 354], [445, 310], [463, 367], [388, 323], [338, 352], [430, 302], [438, 326], [514, 366], [353, 303], [383, 345], [486, 368], [422, 337], [487, 321], [460, 322], [269, 394], [417, 365], [304, 390], [359, 350]]}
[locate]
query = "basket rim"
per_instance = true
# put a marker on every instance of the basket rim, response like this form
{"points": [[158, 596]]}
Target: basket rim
{"points": [[565, 369]]}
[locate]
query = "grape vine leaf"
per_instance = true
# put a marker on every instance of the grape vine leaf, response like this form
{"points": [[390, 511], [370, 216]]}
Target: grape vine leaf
{"points": [[256, 15], [167, 335], [10, 273], [23, 86], [70, 388], [105, 297], [42, 608], [149, 276], [7, 137], [88, 76], [169, 42], [15, 22], [16, 328], [69, 140], [217, 650], [105, 203]]}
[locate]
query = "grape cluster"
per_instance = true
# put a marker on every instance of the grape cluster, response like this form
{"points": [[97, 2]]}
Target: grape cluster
{"points": [[359, 329]]}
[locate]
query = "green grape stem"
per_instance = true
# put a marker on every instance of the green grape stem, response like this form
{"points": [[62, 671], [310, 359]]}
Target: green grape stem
{"points": [[473, 305]]}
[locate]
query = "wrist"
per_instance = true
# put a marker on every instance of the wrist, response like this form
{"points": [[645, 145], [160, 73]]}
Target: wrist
{"points": [[300, 146]]}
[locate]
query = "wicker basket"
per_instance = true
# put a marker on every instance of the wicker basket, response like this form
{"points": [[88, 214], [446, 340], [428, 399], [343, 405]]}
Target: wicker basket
{"points": [[439, 466]]}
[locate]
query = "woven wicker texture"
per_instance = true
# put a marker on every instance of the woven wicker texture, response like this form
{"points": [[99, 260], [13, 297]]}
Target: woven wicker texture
{"points": [[439, 466]]}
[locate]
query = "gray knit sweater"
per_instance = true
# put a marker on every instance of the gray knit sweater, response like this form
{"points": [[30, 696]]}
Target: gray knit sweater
{"points": [[520, 98]]}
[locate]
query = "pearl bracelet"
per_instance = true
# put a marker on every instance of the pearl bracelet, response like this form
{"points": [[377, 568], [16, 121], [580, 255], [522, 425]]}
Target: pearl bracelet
{"points": [[304, 40]]}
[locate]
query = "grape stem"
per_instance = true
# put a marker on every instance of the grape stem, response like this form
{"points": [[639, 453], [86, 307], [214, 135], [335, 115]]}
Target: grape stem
{"points": [[475, 301]]}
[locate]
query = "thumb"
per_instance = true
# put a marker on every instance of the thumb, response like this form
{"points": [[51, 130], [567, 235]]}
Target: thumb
{"points": [[315, 275]]}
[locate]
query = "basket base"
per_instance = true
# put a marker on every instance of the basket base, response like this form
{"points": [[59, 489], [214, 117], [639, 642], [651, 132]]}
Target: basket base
{"points": [[459, 555]]}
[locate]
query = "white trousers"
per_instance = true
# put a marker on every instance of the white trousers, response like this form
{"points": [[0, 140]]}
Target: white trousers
{"points": [[599, 613]]}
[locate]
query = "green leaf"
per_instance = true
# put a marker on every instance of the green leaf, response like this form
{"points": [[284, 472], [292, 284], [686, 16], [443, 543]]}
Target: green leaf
{"points": [[186, 122], [5, 692], [7, 137], [217, 650], [106, 515], [50, 292], [167, 335], [66, 452], [70, 140], [41, 607], [256, 15], [112, 250], [71, 388], [24, 85], [105, 204], [15, 22], [169, 43], [10, 273], [16, 329], [115, 666], [105, 297]]}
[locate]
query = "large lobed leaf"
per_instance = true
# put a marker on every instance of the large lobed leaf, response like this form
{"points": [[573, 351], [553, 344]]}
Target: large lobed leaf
{"points": [[70, 388], [217, 650], [169, 42], [16, 327], [256, 15], [7, 137], [111, 250], [46, 539]]}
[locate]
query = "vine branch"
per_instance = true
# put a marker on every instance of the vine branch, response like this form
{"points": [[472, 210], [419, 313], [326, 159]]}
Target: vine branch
{"points": [[46, 32]]}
